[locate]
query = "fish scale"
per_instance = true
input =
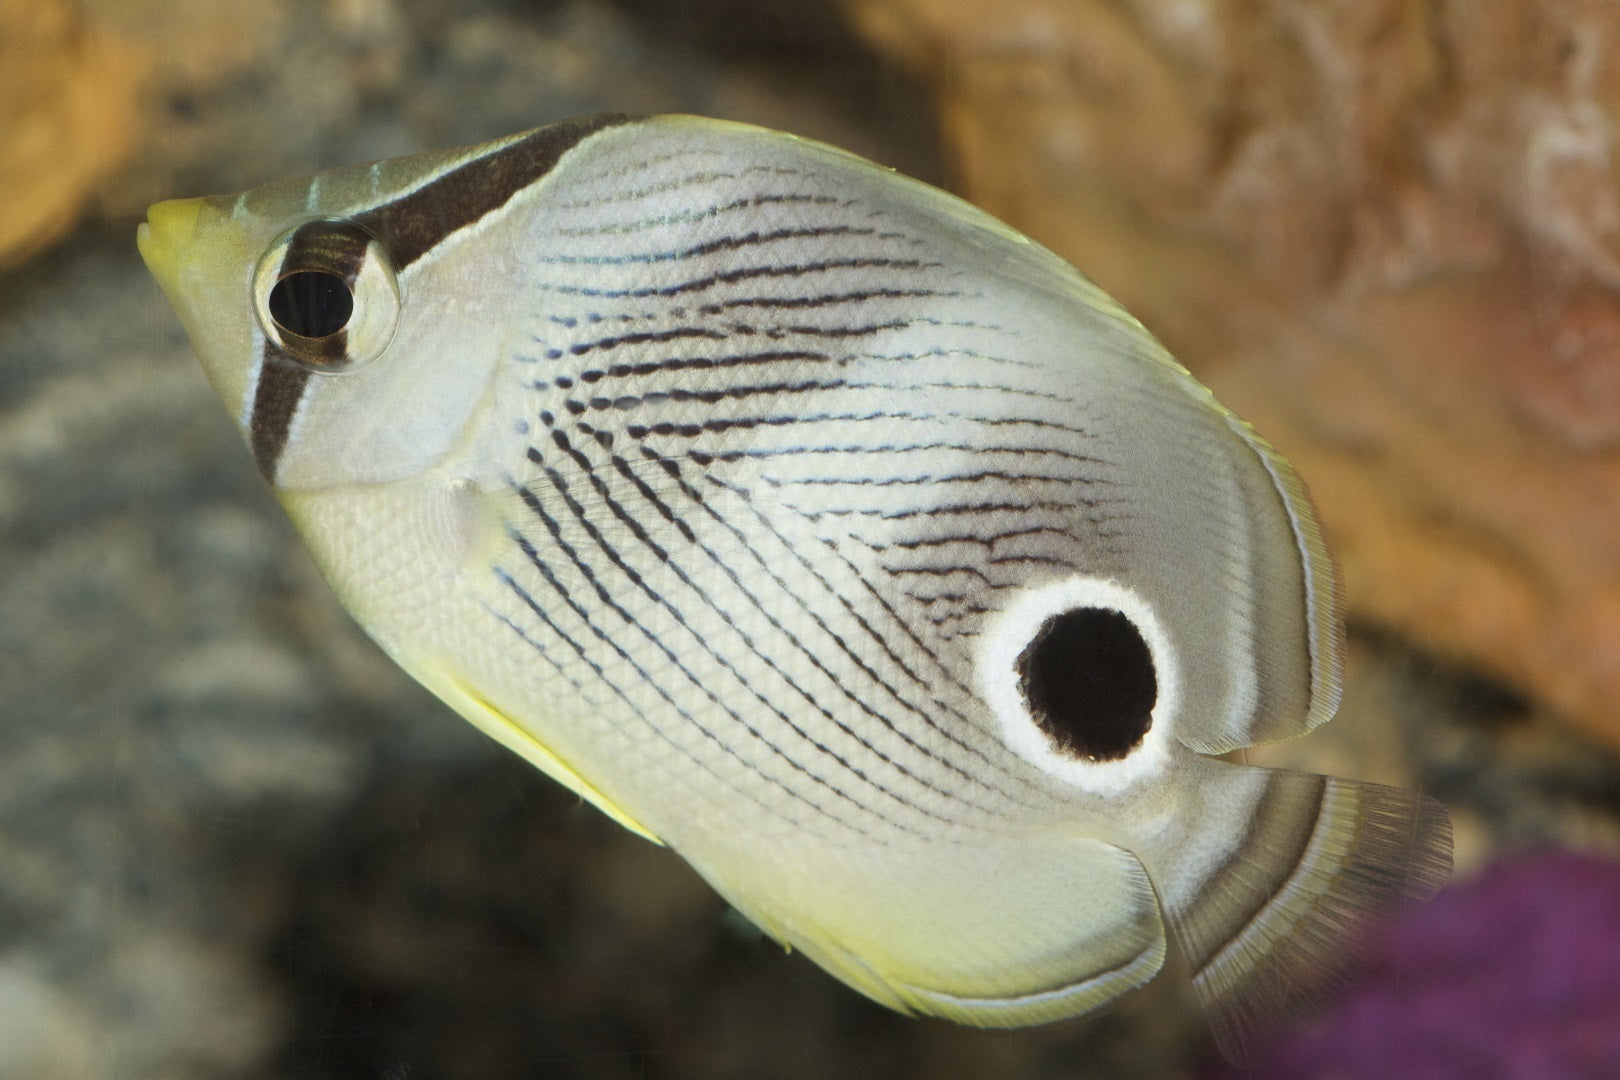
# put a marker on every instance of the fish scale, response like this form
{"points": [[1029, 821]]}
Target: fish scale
{"points": [[635, 566], [850, 300], [713, 395], [810, 521]]}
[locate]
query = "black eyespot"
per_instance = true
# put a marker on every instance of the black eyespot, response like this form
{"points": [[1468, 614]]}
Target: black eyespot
{"points": [[311, 303], [1088, 679]]}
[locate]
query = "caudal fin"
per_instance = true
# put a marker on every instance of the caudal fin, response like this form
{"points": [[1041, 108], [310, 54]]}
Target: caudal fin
{"points": [[1287, 911]]}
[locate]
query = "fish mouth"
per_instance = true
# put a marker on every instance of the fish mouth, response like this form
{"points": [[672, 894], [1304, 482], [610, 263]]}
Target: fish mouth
{"points": [[165, 238]]}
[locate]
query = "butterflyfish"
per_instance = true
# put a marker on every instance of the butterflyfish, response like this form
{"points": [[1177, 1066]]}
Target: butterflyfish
{"points": [[812, 522]]}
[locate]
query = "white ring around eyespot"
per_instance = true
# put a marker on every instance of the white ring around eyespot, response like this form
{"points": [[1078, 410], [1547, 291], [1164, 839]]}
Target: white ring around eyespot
{"points": [[1009, 634]]}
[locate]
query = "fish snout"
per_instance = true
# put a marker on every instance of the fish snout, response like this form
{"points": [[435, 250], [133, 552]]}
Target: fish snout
{"points": [[166, 236]]}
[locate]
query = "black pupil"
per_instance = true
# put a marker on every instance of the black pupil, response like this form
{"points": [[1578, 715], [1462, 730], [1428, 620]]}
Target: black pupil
{"points": [[1089, 681], [311, 303]]}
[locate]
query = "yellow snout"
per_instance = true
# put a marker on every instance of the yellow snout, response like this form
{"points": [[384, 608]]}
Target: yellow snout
{"points": [[165, 238]]}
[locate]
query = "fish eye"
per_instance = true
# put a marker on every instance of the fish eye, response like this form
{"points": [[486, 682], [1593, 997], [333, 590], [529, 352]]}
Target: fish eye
{"points": [[311, 303], [1088, 681], [327, 296]]}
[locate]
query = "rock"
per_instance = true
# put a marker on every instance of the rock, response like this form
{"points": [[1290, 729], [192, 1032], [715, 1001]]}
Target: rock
{"points": [[1388, 234], [68, 101], [45, 1033], [238, 842]]}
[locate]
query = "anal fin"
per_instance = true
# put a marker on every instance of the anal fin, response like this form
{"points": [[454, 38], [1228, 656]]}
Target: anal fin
{"points": [[999, 932]]}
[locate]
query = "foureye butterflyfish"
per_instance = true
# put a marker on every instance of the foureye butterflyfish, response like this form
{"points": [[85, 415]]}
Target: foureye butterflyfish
{"points": [[806, 519]]}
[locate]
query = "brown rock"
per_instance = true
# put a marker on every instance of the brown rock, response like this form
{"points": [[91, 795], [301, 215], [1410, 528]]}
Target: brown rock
{"points": [[67, 114], [1387, 233]]}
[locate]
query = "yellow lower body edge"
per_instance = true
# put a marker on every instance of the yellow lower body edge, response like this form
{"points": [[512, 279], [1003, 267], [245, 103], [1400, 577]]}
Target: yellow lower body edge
{"points": [[506, 731]]}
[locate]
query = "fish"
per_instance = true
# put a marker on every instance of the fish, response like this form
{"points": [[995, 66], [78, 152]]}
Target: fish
{"points": [[814, 523]]}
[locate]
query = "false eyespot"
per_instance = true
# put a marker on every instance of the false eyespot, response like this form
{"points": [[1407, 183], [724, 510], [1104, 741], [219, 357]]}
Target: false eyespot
{"points": [[327, 296], [1083, 681]]}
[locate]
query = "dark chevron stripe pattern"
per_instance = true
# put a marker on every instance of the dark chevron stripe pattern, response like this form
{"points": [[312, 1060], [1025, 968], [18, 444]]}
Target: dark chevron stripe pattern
{"points": [[751, 403]]}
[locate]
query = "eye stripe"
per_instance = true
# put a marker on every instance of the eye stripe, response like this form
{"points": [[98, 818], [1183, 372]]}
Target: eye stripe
{"points": [[280, 385], [319, 246], [276, 397], [414, 224], [410, 226]]}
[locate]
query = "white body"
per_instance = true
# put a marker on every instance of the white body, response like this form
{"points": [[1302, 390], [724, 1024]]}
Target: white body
{"points": [[726, 476]]}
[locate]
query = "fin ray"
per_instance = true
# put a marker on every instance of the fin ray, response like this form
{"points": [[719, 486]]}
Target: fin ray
{"points": [[1276, 928], [1321, 589]]}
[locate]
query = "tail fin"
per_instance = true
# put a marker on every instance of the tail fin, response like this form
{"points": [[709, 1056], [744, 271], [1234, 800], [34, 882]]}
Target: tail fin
{"points": [[1272, 924]]}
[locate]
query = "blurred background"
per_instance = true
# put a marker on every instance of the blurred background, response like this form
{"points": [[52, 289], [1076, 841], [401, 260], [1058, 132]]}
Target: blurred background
{"points": [[235, 842]]}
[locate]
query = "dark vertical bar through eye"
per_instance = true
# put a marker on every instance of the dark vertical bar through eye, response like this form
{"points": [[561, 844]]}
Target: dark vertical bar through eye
{"points": [[275, 399], [408, 227]]}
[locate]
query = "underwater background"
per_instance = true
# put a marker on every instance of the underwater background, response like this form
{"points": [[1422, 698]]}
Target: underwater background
{"points": [[236, 842]]}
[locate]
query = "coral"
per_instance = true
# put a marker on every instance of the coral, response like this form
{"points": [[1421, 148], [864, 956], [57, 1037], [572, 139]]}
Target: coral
{"points": [[1512, 976], [68, 101]]}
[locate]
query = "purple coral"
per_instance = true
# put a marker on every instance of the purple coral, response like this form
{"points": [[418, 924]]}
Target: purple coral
{"points": [[1512, 976]]}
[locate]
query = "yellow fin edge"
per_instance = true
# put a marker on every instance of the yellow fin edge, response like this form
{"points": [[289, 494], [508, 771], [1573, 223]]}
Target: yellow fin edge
{"points": [[512, 735]]}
